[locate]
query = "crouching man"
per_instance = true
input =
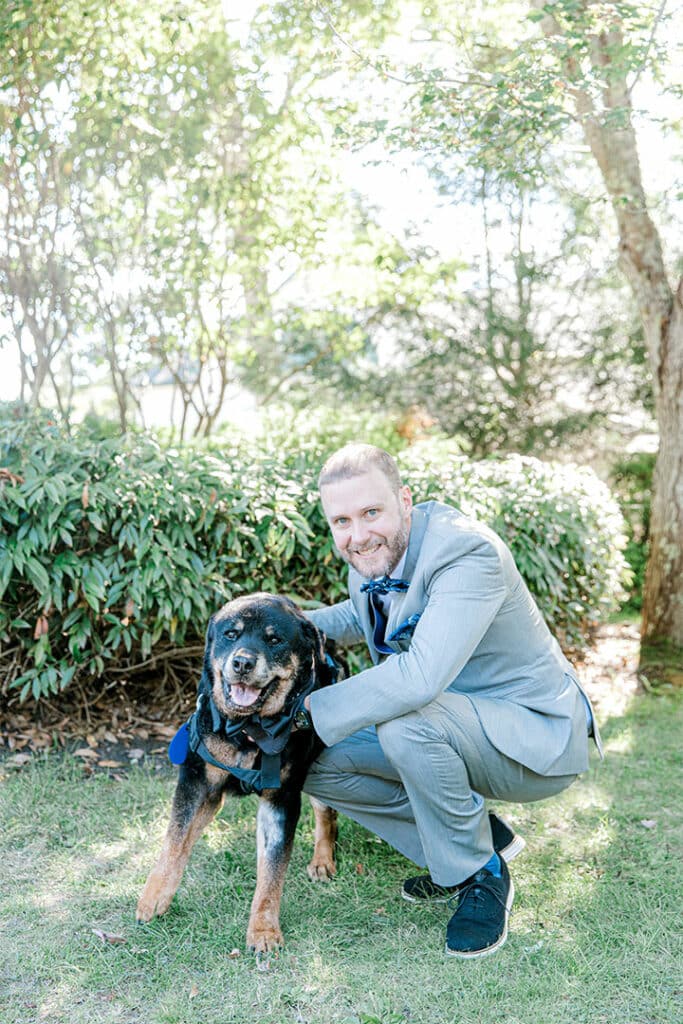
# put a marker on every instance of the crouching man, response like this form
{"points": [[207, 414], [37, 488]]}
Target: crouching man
{"points": [[469, 697]]}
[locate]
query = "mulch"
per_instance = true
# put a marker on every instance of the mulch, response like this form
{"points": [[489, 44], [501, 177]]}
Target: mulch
{"points": [[133, 722], [122, 727]]}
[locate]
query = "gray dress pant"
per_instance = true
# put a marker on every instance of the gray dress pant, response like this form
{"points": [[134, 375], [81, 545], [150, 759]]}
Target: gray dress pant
{"points": [[419, 782]]}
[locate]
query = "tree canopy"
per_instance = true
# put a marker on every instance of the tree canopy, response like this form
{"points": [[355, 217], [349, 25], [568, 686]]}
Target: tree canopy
{"points": [[175, 202]]}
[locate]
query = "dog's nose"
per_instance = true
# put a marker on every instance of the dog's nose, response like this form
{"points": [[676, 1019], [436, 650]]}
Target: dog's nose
{"points": [[243, 662]]}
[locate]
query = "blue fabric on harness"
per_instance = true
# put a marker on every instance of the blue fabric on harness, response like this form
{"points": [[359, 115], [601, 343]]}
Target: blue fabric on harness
{"points": [[179, 746]]}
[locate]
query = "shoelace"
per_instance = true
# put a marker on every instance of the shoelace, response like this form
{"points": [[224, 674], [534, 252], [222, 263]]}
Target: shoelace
{"points": [[473, 892]]}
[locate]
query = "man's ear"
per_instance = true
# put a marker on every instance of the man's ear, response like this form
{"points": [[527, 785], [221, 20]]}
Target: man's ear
{"points": [[406, 497]]}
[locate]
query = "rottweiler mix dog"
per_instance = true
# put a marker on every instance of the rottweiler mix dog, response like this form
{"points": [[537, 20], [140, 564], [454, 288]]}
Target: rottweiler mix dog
{"points": [[262, 657]]}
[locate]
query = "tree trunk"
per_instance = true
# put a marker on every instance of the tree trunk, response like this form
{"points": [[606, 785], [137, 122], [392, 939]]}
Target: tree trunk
{"points": [[663, 592], [609, 131]]}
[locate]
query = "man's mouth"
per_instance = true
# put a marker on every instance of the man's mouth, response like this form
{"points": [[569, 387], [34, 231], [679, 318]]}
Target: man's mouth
{"points": [[367, 552]]}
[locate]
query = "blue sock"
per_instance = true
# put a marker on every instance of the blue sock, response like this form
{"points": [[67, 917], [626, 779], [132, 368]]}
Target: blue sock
{"points": [[493, 865]]}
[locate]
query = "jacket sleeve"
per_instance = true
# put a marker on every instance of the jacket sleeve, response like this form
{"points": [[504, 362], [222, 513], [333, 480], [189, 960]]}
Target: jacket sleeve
{"points": [[462, 601], [338, 621]]}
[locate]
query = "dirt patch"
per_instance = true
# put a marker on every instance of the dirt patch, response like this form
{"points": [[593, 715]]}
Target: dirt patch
{"points": [[609, 669], [116, 731]]}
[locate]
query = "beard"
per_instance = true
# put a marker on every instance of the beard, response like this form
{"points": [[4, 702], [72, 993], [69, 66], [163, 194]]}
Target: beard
{"points": [[389, 552]]}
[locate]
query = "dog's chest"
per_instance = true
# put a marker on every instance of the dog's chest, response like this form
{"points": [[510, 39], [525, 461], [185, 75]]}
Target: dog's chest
{"points": [[230, 754]]}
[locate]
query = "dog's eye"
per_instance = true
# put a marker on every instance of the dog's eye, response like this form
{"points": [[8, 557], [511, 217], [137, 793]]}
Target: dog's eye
{"points": [[274, 641], [230, 634]]}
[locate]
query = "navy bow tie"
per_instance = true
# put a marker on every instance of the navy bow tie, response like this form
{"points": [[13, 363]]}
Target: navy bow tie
{"points": [[385, 585]]}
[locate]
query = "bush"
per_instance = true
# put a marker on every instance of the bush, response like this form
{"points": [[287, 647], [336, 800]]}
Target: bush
{"points": [[112, 548], [561, 523], [115, 551], [632, 481]]}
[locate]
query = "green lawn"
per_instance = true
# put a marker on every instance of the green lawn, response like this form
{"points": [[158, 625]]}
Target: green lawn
{"points": [[595, 934]]}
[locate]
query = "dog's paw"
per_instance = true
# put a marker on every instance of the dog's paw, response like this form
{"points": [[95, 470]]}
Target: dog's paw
{"points": [[264, 939], [154, 901], [321, 869]]}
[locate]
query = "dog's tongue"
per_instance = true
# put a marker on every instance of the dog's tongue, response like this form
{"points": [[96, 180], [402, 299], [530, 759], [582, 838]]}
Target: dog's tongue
{"points": [[243, 696]]}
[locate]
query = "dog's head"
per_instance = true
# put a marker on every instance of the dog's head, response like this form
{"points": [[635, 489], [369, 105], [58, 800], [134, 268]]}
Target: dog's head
{"points": [[260, 651]]}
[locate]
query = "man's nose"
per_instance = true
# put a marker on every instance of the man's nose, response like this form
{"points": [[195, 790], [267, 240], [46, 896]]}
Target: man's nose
{"points": [[359, 533]]}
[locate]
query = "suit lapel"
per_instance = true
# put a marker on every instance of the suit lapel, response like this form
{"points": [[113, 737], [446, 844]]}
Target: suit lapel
{"points": [[418, 528]]}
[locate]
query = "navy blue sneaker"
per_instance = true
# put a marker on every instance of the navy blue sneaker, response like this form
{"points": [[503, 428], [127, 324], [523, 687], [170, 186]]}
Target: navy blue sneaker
{"points": [[421, 888], [479, 925]]}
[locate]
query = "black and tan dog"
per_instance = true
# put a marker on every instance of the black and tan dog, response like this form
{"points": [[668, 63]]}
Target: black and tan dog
{"points": [[262, 657]]}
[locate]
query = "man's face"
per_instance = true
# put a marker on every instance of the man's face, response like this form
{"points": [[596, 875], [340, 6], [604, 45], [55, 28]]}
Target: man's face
{"points": [[370, 523]]}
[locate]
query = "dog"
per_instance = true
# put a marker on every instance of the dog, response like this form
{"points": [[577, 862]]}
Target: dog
{"points": [[262, 656]]}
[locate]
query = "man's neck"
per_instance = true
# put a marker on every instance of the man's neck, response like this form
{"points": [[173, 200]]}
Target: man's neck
{"points": [[399, 567]]}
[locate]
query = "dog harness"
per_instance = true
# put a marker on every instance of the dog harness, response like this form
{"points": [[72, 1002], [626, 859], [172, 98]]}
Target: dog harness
{"points": [[269, 733]]}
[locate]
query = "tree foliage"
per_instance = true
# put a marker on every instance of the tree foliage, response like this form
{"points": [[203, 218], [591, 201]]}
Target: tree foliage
{"points": [[114, 552], [507, 98]]}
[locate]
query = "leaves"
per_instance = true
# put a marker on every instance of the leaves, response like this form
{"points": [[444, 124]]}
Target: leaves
{"points": [[564, 528], [160, 564]]}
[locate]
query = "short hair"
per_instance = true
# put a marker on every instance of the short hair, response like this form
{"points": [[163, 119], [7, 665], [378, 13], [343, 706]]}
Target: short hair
{"points": [[354, 460]]}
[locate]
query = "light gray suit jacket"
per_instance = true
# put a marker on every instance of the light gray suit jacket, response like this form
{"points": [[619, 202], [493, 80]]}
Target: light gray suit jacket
{"points": [[470, 626]]}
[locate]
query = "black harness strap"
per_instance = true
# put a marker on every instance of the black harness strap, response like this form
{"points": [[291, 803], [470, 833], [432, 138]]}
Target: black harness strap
{"points": [[251, 780]]}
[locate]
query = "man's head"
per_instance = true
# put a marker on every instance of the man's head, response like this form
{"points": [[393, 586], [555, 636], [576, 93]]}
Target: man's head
{"points": [[367, 507]]}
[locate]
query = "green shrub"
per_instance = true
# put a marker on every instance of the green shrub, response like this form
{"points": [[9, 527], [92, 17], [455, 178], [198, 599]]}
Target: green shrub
{"points": [[110, 548], [632, 482], [303, 441], [115, 551], [562, 524]]}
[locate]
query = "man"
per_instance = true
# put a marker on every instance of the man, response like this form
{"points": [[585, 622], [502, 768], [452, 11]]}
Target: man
{"points": [[469, 696]]}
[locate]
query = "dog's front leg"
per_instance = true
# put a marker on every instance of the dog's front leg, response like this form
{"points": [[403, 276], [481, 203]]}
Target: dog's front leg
{"points": [[275, 826], [194, 805]]}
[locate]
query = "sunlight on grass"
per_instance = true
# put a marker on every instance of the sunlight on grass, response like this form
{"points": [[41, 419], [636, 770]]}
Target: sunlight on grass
{"points": [[621, 743], [321, 975]]}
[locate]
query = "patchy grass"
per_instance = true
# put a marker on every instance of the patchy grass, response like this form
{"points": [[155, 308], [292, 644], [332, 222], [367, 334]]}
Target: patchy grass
{"points": [[661, 666], [595, 935]]}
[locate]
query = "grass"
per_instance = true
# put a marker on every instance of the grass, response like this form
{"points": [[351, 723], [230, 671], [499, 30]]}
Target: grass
{"points": [[661, 666], [595, 935]]}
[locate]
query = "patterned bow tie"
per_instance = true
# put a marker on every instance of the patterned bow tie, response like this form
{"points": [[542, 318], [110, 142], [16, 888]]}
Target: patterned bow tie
{"points": [[385, 585]]}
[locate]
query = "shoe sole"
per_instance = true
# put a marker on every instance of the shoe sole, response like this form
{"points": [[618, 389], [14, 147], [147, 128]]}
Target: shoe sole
{"points": [[513, 849], [508, 853], [477, 954]]}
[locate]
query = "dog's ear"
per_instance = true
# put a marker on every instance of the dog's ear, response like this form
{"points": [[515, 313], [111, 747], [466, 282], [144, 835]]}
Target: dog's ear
{"points": [[327, 669], [317, 640]]}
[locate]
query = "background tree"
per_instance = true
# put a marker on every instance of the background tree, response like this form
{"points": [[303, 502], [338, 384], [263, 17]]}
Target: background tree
{"points": [[190, 166], [490, 91], [599, 51]]}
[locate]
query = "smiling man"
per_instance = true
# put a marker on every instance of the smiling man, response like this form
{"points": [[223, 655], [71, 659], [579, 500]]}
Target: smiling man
{"points": [[469, 696]]}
